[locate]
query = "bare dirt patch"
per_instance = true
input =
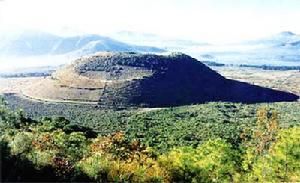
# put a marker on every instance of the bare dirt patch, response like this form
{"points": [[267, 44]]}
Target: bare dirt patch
{"points": [[16, 85]]}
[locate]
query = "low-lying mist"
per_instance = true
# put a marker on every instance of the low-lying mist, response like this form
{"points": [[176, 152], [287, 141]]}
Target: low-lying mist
{"points": [[31, 64]]}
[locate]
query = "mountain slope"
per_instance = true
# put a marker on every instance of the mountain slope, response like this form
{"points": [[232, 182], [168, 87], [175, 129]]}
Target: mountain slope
{"points": [[277, 39], [282, 49], [156, 40], [28, 44], [32, 43]]}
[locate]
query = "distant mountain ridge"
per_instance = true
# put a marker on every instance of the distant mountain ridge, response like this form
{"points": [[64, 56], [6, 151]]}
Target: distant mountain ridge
{"points": [[170, 44], [32, 43], [277, 39], [282, 49]]}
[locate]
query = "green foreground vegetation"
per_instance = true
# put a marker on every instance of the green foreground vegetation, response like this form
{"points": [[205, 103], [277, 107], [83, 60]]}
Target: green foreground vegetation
{"points": [[163, 129], [214, 142]]}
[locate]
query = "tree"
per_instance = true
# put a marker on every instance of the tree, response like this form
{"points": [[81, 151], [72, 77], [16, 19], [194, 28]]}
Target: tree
{"points": [[282, 160]]}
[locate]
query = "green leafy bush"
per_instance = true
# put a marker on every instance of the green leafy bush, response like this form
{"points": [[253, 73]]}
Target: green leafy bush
{"points": [[213, 161], [282, 161]]}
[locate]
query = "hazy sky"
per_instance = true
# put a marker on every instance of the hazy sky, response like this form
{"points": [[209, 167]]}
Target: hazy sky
{"points": [[208, 20]]}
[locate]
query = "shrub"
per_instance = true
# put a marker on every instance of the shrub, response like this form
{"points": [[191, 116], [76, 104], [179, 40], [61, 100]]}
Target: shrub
{"points": [[213, 161], [21, 143], [282, 162], [114, 159]]}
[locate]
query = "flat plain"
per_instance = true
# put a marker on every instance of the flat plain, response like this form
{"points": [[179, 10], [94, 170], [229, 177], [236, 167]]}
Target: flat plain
{"points": [[281, 80]]}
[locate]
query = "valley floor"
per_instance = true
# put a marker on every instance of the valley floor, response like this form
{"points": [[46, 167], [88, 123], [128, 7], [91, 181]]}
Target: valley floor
{"points": [[15, 85], [280, 80]]}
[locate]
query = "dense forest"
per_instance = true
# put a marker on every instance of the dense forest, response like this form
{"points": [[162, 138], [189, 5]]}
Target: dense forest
{"points": [[55, 149]]}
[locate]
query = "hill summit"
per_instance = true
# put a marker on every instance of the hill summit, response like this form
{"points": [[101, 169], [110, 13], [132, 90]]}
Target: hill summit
{"points": [[125, 79]]}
